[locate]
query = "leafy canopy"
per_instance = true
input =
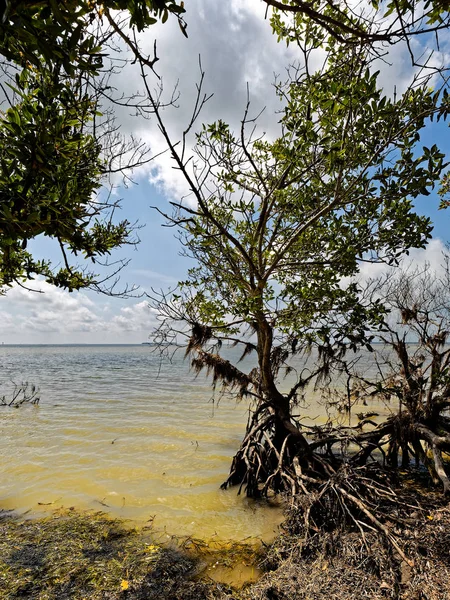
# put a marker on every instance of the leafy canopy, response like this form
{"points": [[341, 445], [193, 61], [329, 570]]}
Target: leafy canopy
{"points": [[279, 224], [65, 31], [372, 23], [55, 147], [50, 170]]}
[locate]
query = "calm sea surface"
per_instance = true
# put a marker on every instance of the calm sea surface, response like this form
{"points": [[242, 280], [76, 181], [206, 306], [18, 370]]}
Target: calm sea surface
{"points": [[117, 427], [119, 430]]}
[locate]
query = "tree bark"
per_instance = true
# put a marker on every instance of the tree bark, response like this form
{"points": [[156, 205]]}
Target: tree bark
{"points": [[279, 402]]}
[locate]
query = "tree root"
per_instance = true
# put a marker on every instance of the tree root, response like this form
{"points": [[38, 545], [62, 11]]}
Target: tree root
{"points": [[346, 477]]}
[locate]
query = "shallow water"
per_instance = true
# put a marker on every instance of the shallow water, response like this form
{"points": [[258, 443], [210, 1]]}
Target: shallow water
{"points": [[119, 430]]}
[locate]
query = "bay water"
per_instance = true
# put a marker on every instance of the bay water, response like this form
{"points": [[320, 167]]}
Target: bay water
{"points": [[120, 430]]}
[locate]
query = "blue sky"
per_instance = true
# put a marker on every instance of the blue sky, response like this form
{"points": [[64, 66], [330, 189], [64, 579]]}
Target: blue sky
{"points": [[237, 47]]}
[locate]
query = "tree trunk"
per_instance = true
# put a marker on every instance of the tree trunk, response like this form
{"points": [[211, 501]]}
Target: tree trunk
{"points": [[279, 403]]}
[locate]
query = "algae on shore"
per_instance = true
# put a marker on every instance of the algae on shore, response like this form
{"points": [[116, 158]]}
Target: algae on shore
{"points": [[89, 555], [84, 555]]}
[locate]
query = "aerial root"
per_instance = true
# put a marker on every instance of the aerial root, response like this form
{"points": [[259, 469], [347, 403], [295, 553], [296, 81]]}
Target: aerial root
{"points": [[347, 478]]}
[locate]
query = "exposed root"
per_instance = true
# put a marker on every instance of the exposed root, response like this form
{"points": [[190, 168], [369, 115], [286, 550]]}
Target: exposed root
{"points": [[346, 477], [344, 565]]}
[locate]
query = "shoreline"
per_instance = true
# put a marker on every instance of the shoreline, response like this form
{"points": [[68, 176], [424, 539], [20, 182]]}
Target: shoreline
{"points": [[85, 554]]}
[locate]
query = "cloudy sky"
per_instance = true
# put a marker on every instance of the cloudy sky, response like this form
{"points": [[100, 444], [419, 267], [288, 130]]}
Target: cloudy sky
{"points": [[237, 49]]}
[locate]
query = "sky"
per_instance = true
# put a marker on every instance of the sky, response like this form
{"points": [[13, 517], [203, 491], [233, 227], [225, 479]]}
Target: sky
{"points": [[237, 49]]}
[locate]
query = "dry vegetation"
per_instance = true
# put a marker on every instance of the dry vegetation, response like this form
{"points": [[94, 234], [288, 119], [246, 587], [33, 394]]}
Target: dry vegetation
{"points": [[340, 564]]}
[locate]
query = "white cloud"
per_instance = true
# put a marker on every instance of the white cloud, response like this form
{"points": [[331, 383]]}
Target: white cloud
{"points": [[138, 317], [57, 316], [60, 316], [236, 47], [47, 295], [418, 257]]}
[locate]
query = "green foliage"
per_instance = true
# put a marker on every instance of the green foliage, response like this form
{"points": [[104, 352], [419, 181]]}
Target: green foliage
{"points": [[290, 220], [50, 172], [314, 23], [51, 159], [64, 32]]}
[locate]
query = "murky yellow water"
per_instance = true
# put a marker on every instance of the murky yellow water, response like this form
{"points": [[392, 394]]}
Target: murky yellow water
{"points": [[118, 431]]}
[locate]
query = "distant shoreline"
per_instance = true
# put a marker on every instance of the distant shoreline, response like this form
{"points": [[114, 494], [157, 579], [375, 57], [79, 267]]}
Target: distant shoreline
{"points": [[82, 344]]}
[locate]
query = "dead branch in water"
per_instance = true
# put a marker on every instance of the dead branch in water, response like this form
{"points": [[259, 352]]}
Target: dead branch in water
{"points": [[22, 394]]}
